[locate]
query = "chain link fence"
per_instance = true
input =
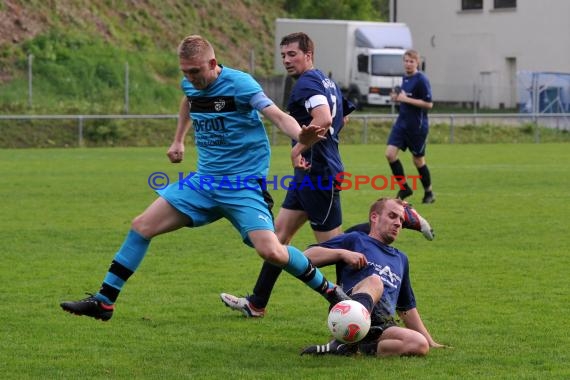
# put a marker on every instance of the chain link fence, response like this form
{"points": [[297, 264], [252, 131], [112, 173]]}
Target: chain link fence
{"points": [[24, 131]]}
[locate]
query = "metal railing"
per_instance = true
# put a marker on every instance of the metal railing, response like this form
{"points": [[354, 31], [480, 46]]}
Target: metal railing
{"points": [[81, 118], [560, 121]]}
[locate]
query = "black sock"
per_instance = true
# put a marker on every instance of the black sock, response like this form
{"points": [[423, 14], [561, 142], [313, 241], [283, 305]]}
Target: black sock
{"points": [[368, 348], [365, 299], [264, 286], [425, 178], [398, 172]]}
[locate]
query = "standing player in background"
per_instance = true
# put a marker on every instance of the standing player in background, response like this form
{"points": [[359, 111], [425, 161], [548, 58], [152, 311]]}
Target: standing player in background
{"points": [[222, 105], [316, 100], [412, 125]]}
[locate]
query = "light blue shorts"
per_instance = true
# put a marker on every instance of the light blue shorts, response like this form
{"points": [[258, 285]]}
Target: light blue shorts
{"points": [[245, 205]]}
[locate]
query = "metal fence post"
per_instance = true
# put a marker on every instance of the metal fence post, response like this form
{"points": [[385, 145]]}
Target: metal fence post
{"points": [[127, 88], [451, 131], [80, 131], [30, 58], [252, 61], [536, 129], [365, 130]]}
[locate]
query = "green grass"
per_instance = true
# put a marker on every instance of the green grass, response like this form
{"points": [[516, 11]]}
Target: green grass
{"points": [[493, 284]]}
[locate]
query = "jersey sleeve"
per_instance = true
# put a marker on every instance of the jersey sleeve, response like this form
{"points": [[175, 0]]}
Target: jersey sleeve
{"points": [[342, 241], [249, 93], [259, 101], [406, 299], [424, 89]]}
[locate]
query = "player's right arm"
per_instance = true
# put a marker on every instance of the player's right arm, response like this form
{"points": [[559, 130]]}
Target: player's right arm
{"points": [[321, 256], [321, 116], [176, 151]]}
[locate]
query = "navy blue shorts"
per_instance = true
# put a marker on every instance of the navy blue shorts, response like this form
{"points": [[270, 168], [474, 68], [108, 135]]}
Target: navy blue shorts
{"points": [[409, 138], [319, 198]]}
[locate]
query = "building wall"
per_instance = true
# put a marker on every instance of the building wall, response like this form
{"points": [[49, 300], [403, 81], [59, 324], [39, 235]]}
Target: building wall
{"points": [[474, 55]]}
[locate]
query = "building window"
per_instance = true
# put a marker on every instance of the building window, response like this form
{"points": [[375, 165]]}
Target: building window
{"points": [[505, 4], [472, 4]]}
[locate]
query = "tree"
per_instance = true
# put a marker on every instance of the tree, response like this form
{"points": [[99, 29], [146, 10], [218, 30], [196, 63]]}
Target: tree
{"points": [[371, 10]]}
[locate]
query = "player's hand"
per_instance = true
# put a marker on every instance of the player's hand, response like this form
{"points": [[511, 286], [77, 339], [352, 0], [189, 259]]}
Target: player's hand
{"points": [[311, 134], [355, 260], [401, 97], [175, 153], [299, 162]]}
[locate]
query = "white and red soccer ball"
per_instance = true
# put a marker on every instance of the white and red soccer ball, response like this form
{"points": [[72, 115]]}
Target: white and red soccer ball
{"points": [[349, 321]]}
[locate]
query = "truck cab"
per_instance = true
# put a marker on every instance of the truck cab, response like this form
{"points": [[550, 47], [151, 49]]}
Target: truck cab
{"points": [[375, 73], [365, 58]]}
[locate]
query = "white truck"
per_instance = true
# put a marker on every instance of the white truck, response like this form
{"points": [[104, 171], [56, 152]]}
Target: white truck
{"points": [[365, 58]]}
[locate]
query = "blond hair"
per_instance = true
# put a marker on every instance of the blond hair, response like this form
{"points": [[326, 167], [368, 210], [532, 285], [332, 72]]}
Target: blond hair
{"points": [[194, 46], [378, 206], [413, 54]]}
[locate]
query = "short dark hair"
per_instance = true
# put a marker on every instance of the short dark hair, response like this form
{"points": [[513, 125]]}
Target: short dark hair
{"points": [[306, 45]]}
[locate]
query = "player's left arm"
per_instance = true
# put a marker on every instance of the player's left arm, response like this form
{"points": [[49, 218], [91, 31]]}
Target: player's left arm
{"points": [[422, 93], [403, 98], [413, 321], [321, 113], [307, 135], [321, 117], [420, 103]]}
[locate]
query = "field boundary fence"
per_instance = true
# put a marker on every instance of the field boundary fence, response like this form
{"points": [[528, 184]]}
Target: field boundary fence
{"points": [[363, 122]]}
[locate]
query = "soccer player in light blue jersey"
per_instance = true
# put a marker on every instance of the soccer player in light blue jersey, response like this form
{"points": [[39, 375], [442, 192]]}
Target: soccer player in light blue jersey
{"points": [[221, 105], [313, 195]]}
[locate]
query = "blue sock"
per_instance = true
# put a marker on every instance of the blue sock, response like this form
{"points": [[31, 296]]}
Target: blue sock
{"points": [[300, 267], [125, 263]]}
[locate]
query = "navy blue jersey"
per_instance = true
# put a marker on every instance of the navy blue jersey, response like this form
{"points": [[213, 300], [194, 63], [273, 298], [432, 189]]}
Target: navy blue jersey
{"points": [[383, 260], [314, 88], [416, 86], [229, 134]]}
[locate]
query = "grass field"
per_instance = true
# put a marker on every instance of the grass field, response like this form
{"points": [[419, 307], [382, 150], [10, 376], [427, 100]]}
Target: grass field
{"points": [[494, 284]]}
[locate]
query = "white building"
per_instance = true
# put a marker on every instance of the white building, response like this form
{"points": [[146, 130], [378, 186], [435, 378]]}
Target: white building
{"points": [[474, 49]]}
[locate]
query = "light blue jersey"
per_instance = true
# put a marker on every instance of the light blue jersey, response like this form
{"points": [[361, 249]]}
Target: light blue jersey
{"points": [[229, 135], [233, 153]]}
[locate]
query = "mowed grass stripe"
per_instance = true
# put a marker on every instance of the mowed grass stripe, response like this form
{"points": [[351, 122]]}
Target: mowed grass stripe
{"points": [[493, 284]]}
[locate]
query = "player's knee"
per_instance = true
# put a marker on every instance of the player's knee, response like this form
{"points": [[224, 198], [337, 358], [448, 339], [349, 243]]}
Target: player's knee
{"points": [[284, 237], [375, 287], [275, 255], [419, 346], [139, 225], [419, 161]]}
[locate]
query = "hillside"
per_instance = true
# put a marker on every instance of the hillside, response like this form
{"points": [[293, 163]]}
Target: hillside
{"points": [[235, 27], [111, 57]]}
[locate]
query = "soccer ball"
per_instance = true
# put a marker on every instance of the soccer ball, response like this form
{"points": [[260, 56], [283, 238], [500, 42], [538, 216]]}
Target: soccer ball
{"points": [[349, 321]]}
